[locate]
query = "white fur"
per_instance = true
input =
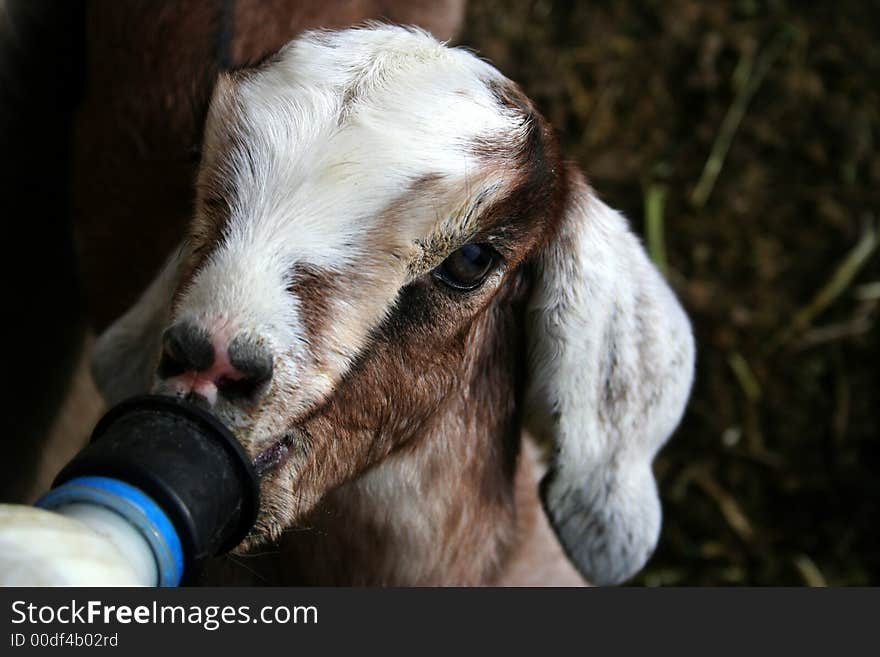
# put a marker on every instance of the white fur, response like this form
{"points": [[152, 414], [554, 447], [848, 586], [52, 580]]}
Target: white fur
{"points": [[612, 365], [126, 354]]}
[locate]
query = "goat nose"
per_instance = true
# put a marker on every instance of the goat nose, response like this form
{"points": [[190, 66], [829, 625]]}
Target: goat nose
{"points": [[185, 348], [251, 362], [196, 362]]}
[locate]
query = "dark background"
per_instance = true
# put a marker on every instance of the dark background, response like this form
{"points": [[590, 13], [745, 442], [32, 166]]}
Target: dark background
{"points": [[773, 475]]}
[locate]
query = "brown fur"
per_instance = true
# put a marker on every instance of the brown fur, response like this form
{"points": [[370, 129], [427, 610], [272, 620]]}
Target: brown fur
{"points": [[313, 287]]}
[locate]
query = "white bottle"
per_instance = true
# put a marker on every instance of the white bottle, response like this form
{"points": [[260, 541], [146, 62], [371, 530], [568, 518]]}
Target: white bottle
{"points": [[78, 544]]}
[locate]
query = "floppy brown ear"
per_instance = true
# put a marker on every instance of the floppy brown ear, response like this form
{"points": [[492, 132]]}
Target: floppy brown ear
{"points": [[611, 364], [127, 352]]}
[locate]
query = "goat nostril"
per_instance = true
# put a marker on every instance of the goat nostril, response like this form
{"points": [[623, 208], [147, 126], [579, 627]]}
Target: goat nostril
{"points": [[253, 362], [185, 347]]}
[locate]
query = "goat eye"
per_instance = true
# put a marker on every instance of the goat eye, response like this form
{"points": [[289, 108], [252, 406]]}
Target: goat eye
{"points": [[466, 268]]}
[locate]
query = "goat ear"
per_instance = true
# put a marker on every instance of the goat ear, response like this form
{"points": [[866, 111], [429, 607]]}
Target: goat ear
{"points": [[611, 364], [126, 354]]}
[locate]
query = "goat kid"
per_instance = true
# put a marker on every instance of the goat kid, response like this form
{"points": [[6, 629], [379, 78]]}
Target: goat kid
{"points": [[390, 275]]}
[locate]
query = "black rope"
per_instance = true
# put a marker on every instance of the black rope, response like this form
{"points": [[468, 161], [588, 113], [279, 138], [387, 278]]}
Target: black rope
{"points": [[225, 34]]}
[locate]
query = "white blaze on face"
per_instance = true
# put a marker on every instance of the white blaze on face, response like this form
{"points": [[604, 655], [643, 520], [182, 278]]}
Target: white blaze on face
{"points": [[317, 150]]}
